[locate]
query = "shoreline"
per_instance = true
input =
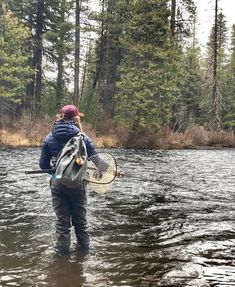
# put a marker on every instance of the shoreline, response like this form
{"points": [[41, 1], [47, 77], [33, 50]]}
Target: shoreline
{"points": [[196, 138], [127, 148]]}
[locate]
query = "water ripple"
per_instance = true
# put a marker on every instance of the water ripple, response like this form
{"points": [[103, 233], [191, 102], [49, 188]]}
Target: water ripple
{"points": [[169, 222]]}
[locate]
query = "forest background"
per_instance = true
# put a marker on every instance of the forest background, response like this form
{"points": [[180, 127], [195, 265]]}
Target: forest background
{"points": [[135, 68]]}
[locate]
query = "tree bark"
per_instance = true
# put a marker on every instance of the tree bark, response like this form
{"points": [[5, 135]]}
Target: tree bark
{"points": [[76, 97], [215, 94], [85, 70], [60, 80], [60, 62], [173, 13], [97, 85], [101, 50], [38, 55]]}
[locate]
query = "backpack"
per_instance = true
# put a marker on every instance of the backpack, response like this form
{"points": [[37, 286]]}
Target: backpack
{"points": [[72, 162]]}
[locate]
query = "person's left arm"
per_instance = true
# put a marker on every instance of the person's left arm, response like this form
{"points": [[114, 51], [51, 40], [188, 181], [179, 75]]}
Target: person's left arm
{"points": [[90, 147], [45, 157]]}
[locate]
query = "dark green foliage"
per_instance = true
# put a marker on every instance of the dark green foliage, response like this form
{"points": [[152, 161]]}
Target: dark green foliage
{"points": [[189, 89], [146, 90], [102, 67], [134, 72], [185, 18], [59, 43], [14, 69], [228, 108], [209, 101]]}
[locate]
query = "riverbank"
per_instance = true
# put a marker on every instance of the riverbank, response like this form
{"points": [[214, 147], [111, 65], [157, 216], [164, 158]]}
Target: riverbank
{"points": [[197, 137], [29, 134], [13, 138]]}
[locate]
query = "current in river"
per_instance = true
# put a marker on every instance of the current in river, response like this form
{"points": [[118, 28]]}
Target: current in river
{"points": [[170, 221]]}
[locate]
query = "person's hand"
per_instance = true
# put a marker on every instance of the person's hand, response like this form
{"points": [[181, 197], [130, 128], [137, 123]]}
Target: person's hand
{"points": [[118, 173], [97, 175]]}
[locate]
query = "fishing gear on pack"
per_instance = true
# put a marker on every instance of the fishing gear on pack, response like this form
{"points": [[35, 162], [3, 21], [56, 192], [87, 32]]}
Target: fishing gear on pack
{"points": [[73, 165]]}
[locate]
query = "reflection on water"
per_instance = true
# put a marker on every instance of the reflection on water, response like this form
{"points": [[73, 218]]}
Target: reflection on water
{"points": [[169, 222]]}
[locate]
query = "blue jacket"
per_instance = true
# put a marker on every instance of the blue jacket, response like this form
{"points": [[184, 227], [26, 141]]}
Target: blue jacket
{"points": [[54, 142]]}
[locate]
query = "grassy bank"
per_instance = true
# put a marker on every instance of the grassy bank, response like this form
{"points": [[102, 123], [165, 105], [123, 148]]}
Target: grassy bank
{"points": [[28, 134]]}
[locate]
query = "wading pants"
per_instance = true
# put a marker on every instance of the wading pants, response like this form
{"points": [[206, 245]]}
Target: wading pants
{"points": [[70, 209]]}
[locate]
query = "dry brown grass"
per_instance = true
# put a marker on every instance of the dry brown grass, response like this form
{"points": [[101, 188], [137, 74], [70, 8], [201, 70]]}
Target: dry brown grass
{"points": [[106, 141], [195, 137], [26, 133], [102, 141], [15, 139]]}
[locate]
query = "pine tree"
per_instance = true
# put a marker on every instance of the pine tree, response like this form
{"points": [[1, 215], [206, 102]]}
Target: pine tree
{"points": [[115, 18], [59, 44], [189, 89], [228, 108], [182, 19], [38, 54], [26, 12], [14, 69], [147, 85], [33, 14], [100, 84], [215, 64]]}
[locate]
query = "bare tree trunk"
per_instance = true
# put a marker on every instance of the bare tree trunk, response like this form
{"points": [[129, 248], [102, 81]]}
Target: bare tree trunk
{"points": [[38, 55], [194, 32], [215, 92], [173, 13], [85, 71], [101, 52], [98, 87], [60, 61], [60, 80], [76, 96], [28, 101]]}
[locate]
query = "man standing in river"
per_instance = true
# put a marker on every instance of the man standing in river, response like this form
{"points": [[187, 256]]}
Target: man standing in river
{"points": [[69, 204]]}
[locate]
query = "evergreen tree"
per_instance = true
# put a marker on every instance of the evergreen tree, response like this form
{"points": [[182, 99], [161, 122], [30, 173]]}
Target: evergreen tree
{"points": [[89, 102], [215, 85], [147, 85], [107, 55], [26, 12], [59, 45], [38, 54], [228, 108], [189, 90], [14, 69], [83, 27], [183, 26], [182, 18], [114, 19]]}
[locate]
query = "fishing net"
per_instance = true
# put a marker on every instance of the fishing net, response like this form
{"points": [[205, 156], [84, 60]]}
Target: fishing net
{"points": [[101, 172]]}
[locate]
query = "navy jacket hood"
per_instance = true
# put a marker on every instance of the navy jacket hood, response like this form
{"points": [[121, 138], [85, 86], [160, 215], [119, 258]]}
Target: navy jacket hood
{"points": [[62, 130], [54, 142]]}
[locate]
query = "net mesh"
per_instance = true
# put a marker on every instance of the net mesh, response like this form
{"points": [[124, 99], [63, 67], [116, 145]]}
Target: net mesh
{"points": [[101, 171]]}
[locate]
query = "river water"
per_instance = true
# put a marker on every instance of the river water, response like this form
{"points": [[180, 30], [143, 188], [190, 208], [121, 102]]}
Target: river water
{"points": [[169, 222]]}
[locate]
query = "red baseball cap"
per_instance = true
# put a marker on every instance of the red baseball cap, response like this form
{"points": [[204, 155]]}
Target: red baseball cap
{"points": [[71, 111]]}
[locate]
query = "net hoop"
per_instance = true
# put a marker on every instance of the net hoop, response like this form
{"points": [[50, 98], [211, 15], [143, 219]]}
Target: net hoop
{"points": [[112, 162]]}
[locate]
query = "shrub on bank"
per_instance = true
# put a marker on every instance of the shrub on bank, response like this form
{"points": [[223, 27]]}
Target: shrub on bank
{"points": [[167, 139]]}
